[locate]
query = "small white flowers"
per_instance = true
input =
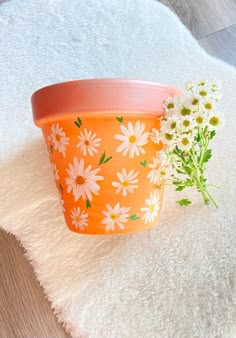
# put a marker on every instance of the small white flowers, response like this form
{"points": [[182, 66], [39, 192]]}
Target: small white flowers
{"points": [[185, 142], [58, 138], [115, 216], [187, 128], [186, 115], [133, 139], [88, 142], [152, 209], [127, 182], [82, 181], [79, 218]]}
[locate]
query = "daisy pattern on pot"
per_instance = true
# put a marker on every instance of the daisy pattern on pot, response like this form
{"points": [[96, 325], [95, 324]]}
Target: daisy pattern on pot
{"points": [[127, 182], [155, 136], [159, 168], [115, 216], [133, 139], [58, 138], [88, 142], [152, 208], [79, 218], [55, 172], [82, 181]]}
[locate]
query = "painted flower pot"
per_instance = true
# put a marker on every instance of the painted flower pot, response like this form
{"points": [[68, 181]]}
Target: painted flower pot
{"points": [[101, 139]]}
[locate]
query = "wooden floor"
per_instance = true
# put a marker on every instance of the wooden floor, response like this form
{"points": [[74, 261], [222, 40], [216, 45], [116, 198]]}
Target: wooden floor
{"points": [[24, 311]]}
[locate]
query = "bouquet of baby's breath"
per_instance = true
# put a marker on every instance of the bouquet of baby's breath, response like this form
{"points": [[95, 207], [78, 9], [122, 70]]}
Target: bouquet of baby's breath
{"points": [[187, 128]]}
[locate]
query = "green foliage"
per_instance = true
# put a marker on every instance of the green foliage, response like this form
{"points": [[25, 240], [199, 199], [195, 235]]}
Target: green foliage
{"points": [[78, 123], [184, 202]]}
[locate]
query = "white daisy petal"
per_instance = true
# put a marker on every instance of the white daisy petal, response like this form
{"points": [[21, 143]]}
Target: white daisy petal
{"points": [[88, 142], [115, 216], [82, 181], [58, 139], [133, 139], [127, 182], [152, 209]]}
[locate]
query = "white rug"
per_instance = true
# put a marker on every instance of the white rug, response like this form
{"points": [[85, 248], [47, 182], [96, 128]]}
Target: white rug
{"points": [[177, 280]]}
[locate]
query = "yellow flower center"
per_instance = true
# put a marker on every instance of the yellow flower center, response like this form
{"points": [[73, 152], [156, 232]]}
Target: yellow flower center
{"points": [[195, 102], [168, 136], [185, 111], [186, 123], [163, 173], [125, 184], [173, 125], [57, 137], [214, 121], [185, 141], [80, 180], [199, 119], [152, 207], [203, 93], [208, 105], [114, 217], [132, 138], [170, 105], [77, 218], [86, 143], [202, 83]]}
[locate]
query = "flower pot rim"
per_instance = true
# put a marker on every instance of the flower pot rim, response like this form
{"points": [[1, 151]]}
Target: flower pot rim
{"points": [[99, 95]]}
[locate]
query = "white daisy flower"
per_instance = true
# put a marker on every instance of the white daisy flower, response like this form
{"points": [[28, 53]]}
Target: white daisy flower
{"points": [[171, 104], [186, 123], [79, 218], [190, 86], [169, 124], [115, 216], [200, 119], [202, 91], [133, 139], [216, 85], [55, 172], [207, 104], [62, 203], [82, 181], [88, 142], [155, 136], [127, 182], [168, 140], [152, 209], [58, 138], [160, 168], [185, 142], [214, 121]]}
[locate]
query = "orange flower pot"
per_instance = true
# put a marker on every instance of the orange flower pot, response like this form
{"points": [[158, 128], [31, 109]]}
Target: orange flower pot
{"points": [[100, 136]]}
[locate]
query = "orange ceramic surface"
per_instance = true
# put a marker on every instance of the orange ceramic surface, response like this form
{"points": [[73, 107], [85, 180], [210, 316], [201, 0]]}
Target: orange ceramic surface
{"points": [[104, 157]]}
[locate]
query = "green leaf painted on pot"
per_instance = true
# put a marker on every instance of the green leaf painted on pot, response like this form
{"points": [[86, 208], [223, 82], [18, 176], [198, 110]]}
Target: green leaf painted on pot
{"points": [[88, 204], [144, 163], [134, 217], [108, 159], [51, 148], [102, 158], [78, 122], [206, 156], [61, 188], [119, 118], [184, 202]]}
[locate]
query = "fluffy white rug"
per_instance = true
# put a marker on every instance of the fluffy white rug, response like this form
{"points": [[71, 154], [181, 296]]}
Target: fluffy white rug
{"points": [[177, 280]]}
